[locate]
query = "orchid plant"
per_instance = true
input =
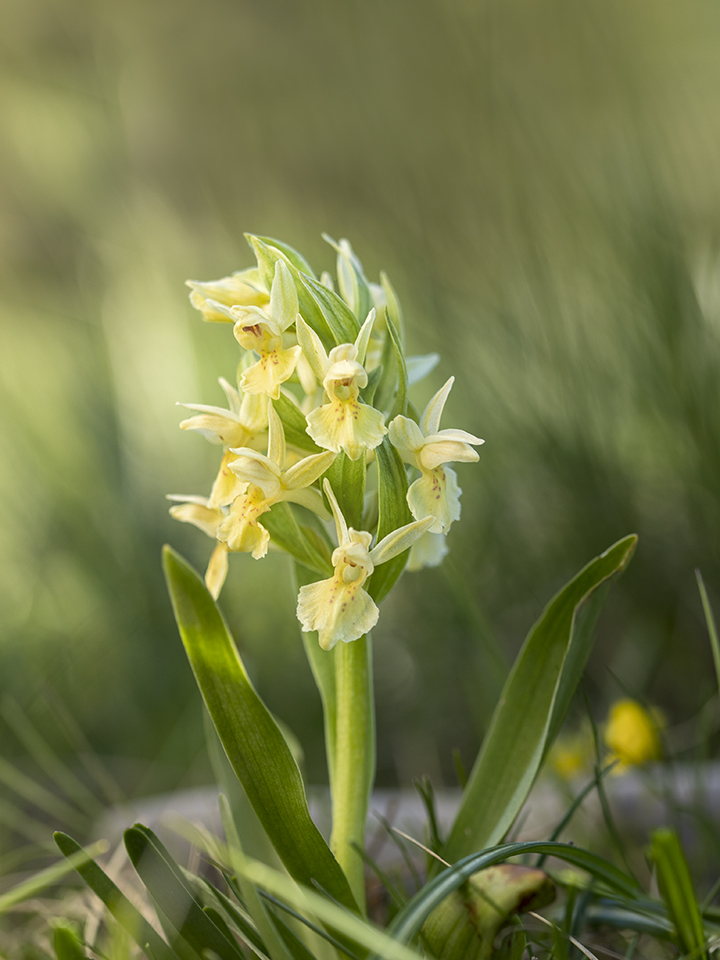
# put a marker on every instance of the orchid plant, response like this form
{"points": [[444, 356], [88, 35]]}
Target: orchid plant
{"points": [[325, 458]]}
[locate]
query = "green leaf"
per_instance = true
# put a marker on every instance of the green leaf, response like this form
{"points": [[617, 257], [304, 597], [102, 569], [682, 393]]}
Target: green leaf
{"points": [[411, 918], [347, 478], [532, 705], [351, 280], [295, 424], [274, 945], [173, 895], [677, 891], [387, 382], [117, 903], [301, 542], [267, 257], [367, 394], [393, 513], [336, 313], [351, 926], [295, 258], [400, 404], [394, 309], [67, 946], [252, 740], [711, 626]]}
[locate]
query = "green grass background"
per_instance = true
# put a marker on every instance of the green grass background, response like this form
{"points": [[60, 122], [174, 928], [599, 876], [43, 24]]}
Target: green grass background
{"points": [[541, 180]]}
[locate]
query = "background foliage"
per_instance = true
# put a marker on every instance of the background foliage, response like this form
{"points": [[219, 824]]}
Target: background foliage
{"points": [[541, 183]]}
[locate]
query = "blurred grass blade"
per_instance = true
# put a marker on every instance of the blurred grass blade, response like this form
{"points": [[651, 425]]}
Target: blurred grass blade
{"points": [[174, 897], [393, 513], [28, 789], [532, 706], [711, 625], [273, 945], [128, 916], [677, 891], [48, 760], [66, 945], [362, 932], [45, 878], [252, 740], [411, 918]]}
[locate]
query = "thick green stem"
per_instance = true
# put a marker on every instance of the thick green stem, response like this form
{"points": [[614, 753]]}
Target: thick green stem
{"points": [[354, 767]]}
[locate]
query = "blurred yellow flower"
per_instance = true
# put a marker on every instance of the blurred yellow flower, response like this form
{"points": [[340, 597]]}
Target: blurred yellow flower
{"points": [[632, 733], [572, 754]]}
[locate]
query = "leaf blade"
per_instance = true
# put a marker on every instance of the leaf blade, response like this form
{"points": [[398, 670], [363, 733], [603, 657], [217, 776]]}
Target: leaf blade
{"points": [[252, 740], [532, 705]]}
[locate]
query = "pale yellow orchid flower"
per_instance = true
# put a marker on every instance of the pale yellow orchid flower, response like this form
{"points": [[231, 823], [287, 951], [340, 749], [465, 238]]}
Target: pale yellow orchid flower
{"points": [[345, 423], [436, 493], [261, 329], [243, 287], [242, 424], [267, 483], [199, 512], [339, 608]]}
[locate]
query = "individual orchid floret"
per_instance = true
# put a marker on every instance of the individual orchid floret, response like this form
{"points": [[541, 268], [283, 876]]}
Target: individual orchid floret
{"points": [[436, 492], [261, 329], [241, 425], [339, 608], [243, 287], [200, 512], [267, 483], [345, 423]]}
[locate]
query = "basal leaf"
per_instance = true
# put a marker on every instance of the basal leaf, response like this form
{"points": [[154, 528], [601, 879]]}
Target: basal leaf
{"points": [[532, 705], [252, 740]]}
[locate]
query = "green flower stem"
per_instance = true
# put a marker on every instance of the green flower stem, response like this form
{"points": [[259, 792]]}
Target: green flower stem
{"points": [[354, 766]]}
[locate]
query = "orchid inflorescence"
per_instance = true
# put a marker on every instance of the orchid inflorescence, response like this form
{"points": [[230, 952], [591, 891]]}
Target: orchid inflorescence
{"points": [[321, 407]]}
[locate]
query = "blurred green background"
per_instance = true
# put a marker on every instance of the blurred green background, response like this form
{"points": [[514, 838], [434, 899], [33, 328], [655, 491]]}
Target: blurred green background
{"points": [[541, 180]]}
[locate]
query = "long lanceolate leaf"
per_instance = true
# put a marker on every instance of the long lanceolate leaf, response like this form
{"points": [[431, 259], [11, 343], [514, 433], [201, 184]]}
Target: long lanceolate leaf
{"points": [[117, 903], [532, 706], [250, 737], [410, 919]]}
